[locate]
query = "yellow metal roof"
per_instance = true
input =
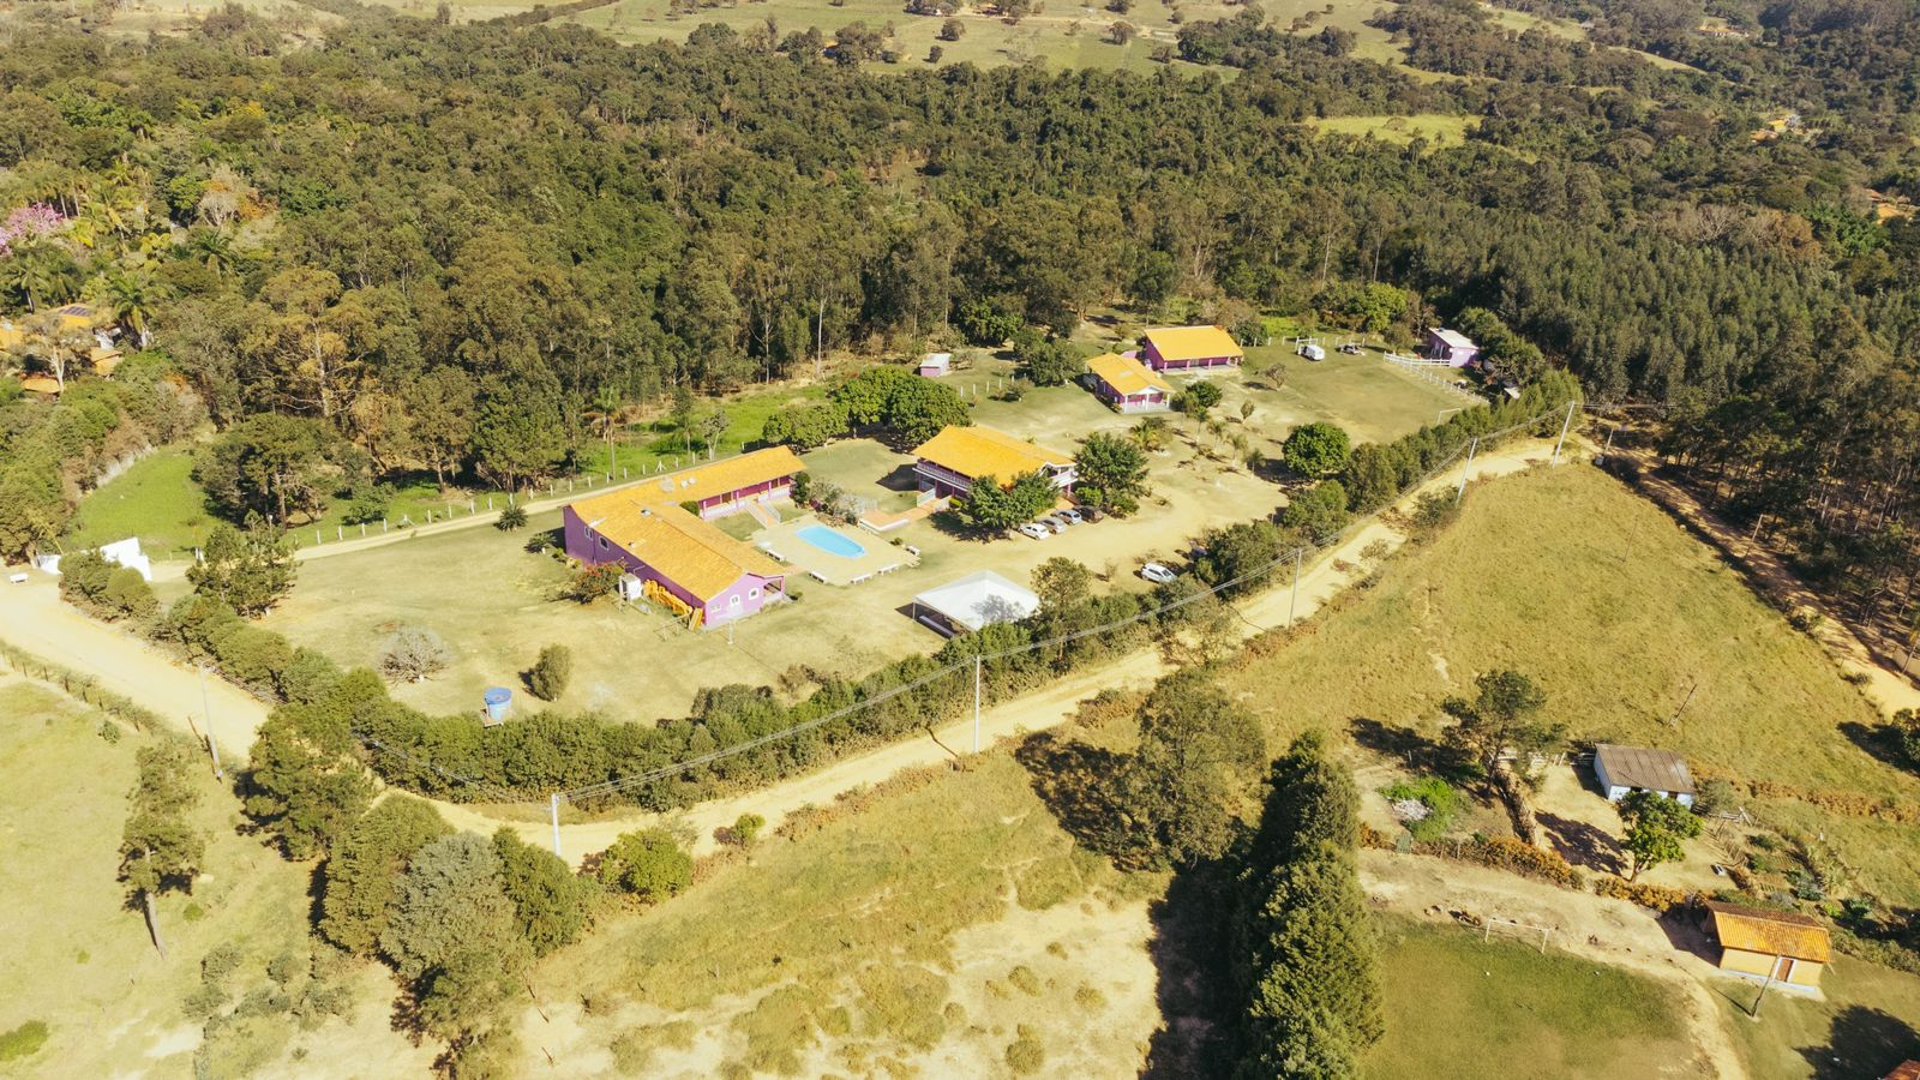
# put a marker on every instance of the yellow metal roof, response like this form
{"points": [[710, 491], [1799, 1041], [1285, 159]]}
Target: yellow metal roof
{"points": [[1193, 342], [1771, 933], [1126, 375], [721, 477], [978, 453], [683, 548]]}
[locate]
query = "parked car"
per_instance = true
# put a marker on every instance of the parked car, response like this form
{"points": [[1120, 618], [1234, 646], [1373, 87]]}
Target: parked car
{"points": [[1352, 348], [1158, 574], [1072, 515], [1057, 524], [1038, 532]]}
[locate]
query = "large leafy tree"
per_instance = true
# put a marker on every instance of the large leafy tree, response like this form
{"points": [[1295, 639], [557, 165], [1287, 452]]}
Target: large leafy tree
{"points": [[454, 934], [1305, 945], [988, 506], [1193, 775], [550, 902], [1656, 828], [306, 782], [161, 846], [249, 571], [361, 880], [272, 465], [1317, 450], [1503, 715], [1113, 472]]}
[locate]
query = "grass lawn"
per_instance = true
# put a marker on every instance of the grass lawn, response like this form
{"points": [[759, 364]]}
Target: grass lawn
{"points": [[1373, 400], [852, 934], [1619, 615], [79, 959], [1454, 1003], [500, 610], [155, 500], [1869, 1023]]}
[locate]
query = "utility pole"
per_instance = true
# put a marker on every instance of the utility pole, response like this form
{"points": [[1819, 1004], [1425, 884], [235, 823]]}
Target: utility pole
{"points": [[976, 704], [1764, 987], [1564, 426], [554, 803], [1293, 604], [1466, 471], [206, 710]]}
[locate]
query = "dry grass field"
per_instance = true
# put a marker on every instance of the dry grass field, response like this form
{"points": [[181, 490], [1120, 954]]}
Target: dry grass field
{"points": [[1622, 618], [919, 935], [79, 960]]}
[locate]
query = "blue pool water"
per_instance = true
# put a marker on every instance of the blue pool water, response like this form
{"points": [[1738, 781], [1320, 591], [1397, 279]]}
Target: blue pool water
{"points": [[831, 542]]}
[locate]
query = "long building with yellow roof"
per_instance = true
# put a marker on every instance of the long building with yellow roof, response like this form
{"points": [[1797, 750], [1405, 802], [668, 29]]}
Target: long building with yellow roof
{"points": [[959, 457], [725, 487], [680, 560], [1181, 348]]}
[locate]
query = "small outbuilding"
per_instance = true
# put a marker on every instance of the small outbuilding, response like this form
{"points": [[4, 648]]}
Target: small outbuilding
{"points": [[1623, 770], [1127, 385], [973, 603], [1783, 946], [1451, 346], [934, 365]]}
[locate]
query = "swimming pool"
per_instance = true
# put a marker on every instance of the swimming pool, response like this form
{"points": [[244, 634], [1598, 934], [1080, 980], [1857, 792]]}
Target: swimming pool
{"points": [[831, 542]]}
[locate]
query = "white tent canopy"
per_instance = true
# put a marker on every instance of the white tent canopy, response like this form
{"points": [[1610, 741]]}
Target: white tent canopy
{"points": [[977, 601]]}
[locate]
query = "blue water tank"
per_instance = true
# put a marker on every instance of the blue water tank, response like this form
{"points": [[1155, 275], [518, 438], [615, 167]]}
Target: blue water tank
{"points": [[498, 699]]}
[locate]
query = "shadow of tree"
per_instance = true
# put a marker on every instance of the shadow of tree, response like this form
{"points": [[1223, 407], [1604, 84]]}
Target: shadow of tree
{"points": [[1075, 780], [1583, 844], [902, 478], [1863, 1042], [1878, 740], [1419, 752], [1194, 964], [1686, 933]]}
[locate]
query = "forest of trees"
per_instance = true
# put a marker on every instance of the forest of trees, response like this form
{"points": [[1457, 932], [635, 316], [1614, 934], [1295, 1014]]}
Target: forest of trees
{"points": [[458, 250]]}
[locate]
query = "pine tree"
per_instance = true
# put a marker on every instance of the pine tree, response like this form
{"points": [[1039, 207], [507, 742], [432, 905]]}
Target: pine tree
{"points": [[161, 848]]}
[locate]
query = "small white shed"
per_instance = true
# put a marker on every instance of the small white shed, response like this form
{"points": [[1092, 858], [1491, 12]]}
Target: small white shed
{"points": [[1622, 770]]}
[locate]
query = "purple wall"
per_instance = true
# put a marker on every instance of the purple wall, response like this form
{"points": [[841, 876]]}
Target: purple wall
{"points": [[1128, 403], [752, 590], [1438, 349]]}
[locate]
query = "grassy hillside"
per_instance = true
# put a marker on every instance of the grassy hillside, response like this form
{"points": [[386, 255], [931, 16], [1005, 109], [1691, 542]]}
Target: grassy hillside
{"points": [[79, 960], [1623, 619], [1558, 1015], [924, 929]]}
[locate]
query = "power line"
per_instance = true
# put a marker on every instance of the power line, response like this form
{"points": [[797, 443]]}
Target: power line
{"points": [[609, 787]]}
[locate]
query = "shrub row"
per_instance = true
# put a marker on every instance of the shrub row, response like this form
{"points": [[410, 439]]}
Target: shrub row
{"points": [[1659, 898]]}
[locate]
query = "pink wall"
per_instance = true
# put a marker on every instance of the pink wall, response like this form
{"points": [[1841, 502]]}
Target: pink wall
{"points": [[734, 501], [753, 590], [1158, 363]]}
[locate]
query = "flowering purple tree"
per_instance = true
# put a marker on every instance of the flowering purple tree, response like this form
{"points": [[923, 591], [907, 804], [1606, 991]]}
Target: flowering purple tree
{"points": [[32, 222]]}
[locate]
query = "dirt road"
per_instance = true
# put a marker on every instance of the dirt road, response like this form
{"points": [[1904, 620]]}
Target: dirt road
{"points": [[33, 617], [1612, 931]]}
